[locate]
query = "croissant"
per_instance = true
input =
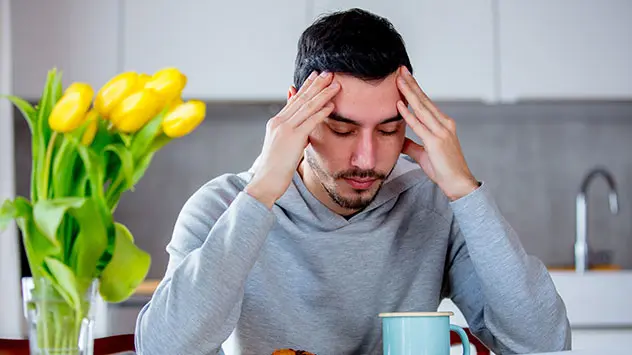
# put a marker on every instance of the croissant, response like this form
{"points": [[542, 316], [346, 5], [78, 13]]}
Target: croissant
{"points": [[291, 352]]}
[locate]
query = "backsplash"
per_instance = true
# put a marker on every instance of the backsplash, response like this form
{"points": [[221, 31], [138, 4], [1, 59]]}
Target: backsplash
{"points": [[533, 156]]}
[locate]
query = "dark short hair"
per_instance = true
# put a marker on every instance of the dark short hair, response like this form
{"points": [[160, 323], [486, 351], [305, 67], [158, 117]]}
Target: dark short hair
{"points": [[355, 42]]}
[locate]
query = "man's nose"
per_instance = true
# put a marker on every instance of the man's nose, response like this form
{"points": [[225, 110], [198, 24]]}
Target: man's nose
{"points": [[364, 155]]}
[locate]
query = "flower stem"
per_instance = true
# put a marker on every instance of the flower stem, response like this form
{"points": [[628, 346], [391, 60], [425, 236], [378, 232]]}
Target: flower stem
{"points": [[113, 194], [43, 190]]}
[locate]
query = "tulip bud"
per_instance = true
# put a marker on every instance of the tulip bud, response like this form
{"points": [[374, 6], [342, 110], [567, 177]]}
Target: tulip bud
{"points": [[84, 89], [70, 111], [168, 83], [184, 118], [88, 135], [114, 91], [135, 111], [142, 80]]}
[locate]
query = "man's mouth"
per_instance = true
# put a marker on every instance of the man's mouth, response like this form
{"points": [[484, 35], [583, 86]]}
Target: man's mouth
{"points": [[360, 183]]}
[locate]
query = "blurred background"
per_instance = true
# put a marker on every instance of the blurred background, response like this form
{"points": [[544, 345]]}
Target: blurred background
{"points": [[541, 92]]}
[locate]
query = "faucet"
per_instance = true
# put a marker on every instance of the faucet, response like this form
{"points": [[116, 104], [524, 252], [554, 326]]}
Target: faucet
{"points": [[581, 240]]}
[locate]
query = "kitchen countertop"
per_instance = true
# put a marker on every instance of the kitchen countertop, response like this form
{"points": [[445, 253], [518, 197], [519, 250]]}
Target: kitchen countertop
{"points": [[595, 299], [598, 303]]}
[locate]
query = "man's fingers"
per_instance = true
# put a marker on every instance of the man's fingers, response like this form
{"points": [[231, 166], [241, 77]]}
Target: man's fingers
{"points": [[312, 121], [314, 105], [320, 83], [418, 127], [422, 113], [425, 100], [306, 84]]}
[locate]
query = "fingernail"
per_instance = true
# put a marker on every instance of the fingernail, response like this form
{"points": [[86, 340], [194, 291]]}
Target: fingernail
{"points": [[335, 85], [324, 74], [406, 71], [312, 75]]}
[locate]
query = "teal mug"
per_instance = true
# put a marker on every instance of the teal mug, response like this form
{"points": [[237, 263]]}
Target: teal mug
{"points": [[419, 333]]}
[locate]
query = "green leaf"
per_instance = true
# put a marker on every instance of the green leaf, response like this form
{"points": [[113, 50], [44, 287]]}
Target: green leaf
{"points": [[126, 139], [50, 96], [27, 110], [30, 115], [103, 137], [145, 160], [81, 185], [127, 268], [36, 245], [48, 214], [93, 164], [63, 164], [8, 212], [65, 282], [145, 136], [91, 241], [126, 162]]}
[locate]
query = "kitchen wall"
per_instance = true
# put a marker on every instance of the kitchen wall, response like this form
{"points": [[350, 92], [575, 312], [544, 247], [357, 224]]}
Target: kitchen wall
{"points": [[533, 155]]}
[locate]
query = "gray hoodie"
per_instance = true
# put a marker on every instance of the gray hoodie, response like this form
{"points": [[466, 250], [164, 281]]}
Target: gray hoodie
{"points": [[301, 276]]}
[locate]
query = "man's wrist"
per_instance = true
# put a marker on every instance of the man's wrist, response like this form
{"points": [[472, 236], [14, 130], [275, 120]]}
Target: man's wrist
{"points": [[463, 189], [258, 192]]}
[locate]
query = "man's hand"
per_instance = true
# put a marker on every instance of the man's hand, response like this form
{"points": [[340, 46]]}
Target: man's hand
{"points": [[287, 136], [441, 156]]}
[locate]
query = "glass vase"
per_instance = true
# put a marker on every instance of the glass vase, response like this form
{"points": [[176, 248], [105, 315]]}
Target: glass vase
{"points": [[55, 326]]}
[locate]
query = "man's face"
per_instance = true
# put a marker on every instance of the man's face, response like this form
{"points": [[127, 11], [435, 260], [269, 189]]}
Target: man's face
{"points": [[353, 151]]}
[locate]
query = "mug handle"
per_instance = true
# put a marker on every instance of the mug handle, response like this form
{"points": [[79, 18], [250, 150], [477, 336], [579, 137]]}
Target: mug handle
{"points": [[464, 340]]}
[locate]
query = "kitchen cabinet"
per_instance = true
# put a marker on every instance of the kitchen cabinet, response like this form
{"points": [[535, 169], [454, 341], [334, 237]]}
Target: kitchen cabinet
{"points": [[80, 38], [229, 50], [562, 49], [597, 305], [450, 43], [10, 300]]}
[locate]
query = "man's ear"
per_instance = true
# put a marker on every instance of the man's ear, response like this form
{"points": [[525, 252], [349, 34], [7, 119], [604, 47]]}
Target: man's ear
{"points": [[291, 92]]}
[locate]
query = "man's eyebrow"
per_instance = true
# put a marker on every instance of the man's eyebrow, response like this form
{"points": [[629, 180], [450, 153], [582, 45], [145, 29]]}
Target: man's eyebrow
{"points": [[337, 117]]}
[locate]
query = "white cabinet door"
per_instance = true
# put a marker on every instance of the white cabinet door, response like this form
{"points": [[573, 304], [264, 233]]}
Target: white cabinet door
{"points": [[450, 43], [230, 50], [565, 49], [80, 38], [10, 301]]}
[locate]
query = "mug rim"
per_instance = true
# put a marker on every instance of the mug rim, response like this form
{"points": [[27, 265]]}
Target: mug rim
{"points": [[415, 314]]}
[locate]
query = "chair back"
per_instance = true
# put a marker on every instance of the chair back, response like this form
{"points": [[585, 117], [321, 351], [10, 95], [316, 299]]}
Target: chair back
{"points": [[102, 346], [481, 349]]}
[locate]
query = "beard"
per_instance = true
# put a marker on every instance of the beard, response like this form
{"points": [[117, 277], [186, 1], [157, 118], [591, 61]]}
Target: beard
{"points": [[361, 198]]}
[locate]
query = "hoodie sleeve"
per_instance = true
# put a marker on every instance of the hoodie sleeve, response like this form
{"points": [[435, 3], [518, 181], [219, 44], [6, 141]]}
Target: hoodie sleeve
{"points": [[506, 296], [216, 241]]}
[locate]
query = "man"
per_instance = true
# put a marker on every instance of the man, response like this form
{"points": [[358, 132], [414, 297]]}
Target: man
{"points": [[332, 226]]}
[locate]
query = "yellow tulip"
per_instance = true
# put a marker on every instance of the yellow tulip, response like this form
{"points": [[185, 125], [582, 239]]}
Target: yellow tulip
{"points": [[142, 80], [174, 103], [88, 135], [184, 118], [114, 91], [84, 89], [135, 111], [168, 83], [70, 111]]}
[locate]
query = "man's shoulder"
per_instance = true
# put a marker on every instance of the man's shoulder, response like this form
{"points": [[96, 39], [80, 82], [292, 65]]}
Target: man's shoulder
{"points": [[220, 191]]}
